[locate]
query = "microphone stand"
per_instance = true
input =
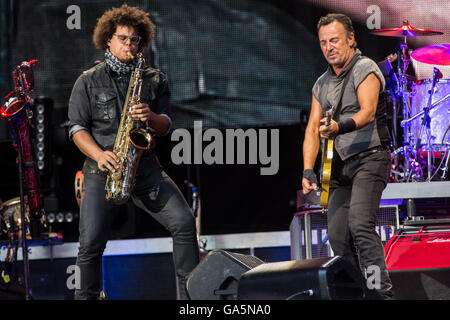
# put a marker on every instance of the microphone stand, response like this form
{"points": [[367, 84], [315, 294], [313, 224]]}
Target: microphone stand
{"points": [[444, 172], [402, 92], [26, 266], [196, 210], [426, 122]]}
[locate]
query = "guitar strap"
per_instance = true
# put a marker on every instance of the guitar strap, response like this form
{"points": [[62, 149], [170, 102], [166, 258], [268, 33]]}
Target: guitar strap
{"points": [[337, 112]]}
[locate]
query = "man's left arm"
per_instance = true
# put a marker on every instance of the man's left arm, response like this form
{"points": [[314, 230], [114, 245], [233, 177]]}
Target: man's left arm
{"points": [[159, 122], [367, 93]]}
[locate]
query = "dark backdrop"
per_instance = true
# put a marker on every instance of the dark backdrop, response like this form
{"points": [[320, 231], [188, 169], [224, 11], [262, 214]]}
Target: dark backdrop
{"points": [[231, 64]]}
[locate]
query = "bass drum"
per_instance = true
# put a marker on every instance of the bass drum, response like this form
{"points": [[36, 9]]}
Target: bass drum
{"points": [[439, 115], [11, 217]]}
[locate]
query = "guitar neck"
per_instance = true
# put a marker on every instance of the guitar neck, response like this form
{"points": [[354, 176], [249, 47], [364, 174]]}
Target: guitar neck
{"points": [[328, 117]]}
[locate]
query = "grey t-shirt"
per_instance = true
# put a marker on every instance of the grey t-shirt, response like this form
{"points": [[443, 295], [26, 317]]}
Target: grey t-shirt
{"points": [[327, 91]]}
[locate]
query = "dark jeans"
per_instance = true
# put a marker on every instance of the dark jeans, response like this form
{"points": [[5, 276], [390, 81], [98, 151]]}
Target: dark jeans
{"points": [[157, 195], [355, 192]]}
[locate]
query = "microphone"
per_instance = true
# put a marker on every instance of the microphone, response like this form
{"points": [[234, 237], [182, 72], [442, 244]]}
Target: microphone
{"points": [[437, 73]]}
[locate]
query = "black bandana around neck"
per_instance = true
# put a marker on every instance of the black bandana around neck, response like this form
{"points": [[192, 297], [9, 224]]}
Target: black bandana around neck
{"points": [[118, 66]]}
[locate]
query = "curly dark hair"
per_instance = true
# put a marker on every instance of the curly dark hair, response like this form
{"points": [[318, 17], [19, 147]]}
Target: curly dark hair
{"points": [[123, 16]]}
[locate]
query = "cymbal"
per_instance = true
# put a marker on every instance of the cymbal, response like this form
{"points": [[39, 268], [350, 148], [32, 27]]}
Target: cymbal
{"points": [[406, 30], [438, 54]]}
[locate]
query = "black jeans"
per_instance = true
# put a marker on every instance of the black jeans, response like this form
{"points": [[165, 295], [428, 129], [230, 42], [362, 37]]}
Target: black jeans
{"points": [[355, 193], [157, 195]]}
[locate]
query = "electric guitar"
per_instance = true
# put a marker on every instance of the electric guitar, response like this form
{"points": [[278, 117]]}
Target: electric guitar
{"points": [[327, 158]]}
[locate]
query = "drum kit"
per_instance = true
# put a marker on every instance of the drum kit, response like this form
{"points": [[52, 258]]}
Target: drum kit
{"points": [[422, 153], [10, 218]]}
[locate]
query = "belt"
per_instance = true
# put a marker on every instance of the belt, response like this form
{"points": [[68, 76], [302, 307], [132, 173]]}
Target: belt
{"points": [[366, 153]]}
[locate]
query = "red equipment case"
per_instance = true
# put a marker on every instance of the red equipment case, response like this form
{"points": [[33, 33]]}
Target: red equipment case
{"points": [[418, 260], [420, 244]]}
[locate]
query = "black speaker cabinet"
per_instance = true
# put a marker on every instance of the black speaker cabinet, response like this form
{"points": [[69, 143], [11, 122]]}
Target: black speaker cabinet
{"points": [[217, 276], [421, 284], [312, 279]]}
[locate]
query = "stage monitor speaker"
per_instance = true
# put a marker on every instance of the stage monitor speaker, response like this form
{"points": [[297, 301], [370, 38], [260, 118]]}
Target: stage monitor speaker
{"points": [[217, 275], [312, 279]]}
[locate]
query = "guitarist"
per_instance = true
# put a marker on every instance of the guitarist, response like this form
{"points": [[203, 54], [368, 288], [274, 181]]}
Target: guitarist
{"points": [[361, 163]]}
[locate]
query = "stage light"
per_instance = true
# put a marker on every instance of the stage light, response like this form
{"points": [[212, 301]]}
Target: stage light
{"points": [[40, 118], [40, 108], [68, 217], [40, 146], [50, 217], [60, 217]]}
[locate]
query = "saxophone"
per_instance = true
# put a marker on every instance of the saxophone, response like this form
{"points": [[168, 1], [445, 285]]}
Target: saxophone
{"points": [[17, 109], [131, 141]]}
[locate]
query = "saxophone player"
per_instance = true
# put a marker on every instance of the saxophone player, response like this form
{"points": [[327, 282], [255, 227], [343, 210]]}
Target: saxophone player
{"points": [[95, 108]]}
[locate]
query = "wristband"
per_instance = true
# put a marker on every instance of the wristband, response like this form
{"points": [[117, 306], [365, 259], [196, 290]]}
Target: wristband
{"points": [[346, 125], [310, 175]]}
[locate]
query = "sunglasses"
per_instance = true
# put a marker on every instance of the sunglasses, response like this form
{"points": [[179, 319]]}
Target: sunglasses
{"points": [[123, 38]]}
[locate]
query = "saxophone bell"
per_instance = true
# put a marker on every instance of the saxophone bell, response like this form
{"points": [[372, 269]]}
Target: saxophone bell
{"points": [[18, 100], [140, 138], [13, 104]]}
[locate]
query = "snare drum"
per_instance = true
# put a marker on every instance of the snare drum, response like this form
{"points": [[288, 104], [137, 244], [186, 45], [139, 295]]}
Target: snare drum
{"points": [[10, 214], [439, 115]]}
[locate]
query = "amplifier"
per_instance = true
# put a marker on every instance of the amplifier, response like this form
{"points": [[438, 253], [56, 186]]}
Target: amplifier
{"points": [[418, 260], [309, 231], [420, 244]]}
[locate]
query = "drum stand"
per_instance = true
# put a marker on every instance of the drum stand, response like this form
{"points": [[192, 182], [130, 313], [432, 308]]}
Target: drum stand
{"points": [[445, 170], [410, 164], [402, 92], [407, 148], [426, 126]]}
